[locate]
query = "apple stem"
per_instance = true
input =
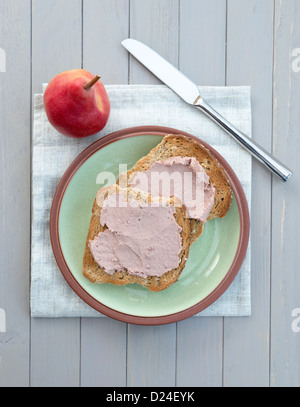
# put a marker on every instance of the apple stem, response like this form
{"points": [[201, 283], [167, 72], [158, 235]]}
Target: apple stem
{"points": [[92, 82]]}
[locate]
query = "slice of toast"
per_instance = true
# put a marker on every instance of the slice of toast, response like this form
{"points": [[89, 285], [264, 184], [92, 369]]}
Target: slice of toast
{"points": [[182, 146], [96, 274]]}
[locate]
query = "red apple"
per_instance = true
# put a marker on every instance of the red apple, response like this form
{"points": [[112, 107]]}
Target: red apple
{"points": [[76, 103]]}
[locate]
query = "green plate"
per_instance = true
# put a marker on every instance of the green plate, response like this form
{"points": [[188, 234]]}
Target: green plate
{"points": [[212, 257]]}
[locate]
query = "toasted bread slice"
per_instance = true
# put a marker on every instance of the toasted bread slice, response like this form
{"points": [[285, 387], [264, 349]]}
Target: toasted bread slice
{"points": [[182, 146], [96, 274]]}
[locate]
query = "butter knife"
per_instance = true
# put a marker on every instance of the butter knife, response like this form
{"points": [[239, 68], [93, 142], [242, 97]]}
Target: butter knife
{"points": [[189, 92]]}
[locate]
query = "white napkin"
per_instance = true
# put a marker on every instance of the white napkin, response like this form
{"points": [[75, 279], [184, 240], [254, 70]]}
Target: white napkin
{"points": [[132, 105]]}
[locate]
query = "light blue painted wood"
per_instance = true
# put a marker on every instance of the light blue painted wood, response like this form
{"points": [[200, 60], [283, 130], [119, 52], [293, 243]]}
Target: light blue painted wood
{"points": [[55, 352], [200, 352], [56, 47], [203, 41], [105, 25], [15, 111], [285, 341], [103, 352], [202, 58], [56, 39], [156, 23], [249, 62], [151, 356]]}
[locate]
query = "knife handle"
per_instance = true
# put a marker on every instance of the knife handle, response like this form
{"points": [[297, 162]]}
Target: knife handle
{"points": [[253, 148]]}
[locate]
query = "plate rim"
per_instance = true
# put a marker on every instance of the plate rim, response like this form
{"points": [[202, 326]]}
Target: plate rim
{"points": [[87, 297]]}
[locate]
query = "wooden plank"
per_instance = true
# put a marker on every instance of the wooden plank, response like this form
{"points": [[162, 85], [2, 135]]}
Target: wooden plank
{"points": [[103, 352], [105, 25], [200, 352], [152, 350], [285, 357], [154, 22], [56, 47], [103, 340], [56, 39], [249, 62], [15, 110], [200, 340], [151, 356], [55, 348], [203, 41]]}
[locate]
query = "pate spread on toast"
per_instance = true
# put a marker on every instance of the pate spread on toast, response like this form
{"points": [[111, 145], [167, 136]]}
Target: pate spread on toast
{"points": [[182, 146], [97, 274]]}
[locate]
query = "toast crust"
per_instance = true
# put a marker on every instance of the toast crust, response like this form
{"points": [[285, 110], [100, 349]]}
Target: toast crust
{"points": [[93, 272], [179, 145]]}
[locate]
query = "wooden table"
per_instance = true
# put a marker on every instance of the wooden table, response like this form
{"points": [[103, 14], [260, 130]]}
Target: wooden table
{"points": [[215, 42]]}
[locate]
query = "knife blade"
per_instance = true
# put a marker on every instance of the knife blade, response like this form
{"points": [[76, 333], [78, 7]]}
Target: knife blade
{"points": [[190, 93], [161, 68]]}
